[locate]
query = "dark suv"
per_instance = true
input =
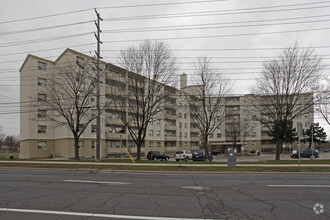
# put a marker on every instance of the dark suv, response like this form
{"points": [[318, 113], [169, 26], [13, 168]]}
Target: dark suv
{"points": [[157, 155], [306, 154], [199, 155]]}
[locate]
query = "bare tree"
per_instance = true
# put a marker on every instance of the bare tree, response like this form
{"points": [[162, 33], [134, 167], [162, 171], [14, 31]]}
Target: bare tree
{"points": [[67, 97], [2, 136], [238, 129], [284, 90], [151, 68], [323, 101], [208, 110]]}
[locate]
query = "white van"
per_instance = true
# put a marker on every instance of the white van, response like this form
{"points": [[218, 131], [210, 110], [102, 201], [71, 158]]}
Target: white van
{"points": [[183, 155]]}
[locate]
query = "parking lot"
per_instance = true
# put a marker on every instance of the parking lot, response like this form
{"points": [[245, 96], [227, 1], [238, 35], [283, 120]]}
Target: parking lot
{"points": [[262, 157]]}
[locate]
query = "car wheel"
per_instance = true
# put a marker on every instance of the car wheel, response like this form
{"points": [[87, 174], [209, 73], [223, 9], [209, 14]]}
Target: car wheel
{"points": [[167, 158], [155, 158]]}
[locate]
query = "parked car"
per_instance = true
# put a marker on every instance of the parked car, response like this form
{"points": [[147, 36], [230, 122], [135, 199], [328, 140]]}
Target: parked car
{"points": [[199, 155], [215, 151], [157, 155], [306, 154], [183, 155]]}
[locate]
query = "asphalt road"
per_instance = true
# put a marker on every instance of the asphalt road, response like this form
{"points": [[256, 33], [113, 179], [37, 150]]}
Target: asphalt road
{"points": [[65, 194]]}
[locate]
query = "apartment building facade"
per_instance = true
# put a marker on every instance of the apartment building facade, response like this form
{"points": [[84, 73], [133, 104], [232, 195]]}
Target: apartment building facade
{"points": [[169, 132]]}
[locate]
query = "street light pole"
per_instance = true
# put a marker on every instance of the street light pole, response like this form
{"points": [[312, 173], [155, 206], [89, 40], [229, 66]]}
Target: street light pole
{"points": [[98, 119], [121, 145]]}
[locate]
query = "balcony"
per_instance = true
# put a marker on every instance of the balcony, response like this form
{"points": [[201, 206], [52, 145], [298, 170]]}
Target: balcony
{"points": [[114, 121], [115, 136], [168, 116], [170, 138], [170, 127], [116, 77]]}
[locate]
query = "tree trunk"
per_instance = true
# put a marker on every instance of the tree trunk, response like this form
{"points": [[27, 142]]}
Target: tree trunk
{"points": [[206, 148], [138, 152], [278, 149], [310, 145], [76, 148]]}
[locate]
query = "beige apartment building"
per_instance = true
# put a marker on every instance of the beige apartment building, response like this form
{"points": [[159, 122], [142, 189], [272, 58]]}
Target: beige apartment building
{"points": [[40, 137]]}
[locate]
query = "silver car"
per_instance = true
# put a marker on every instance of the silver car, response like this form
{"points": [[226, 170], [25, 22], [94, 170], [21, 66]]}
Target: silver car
{"points": [[183, 155]]}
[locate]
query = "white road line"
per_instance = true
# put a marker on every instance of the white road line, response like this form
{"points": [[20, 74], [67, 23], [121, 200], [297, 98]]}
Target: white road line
{"points": [[306, 186], [84, 214], [98, 182], [196, 187]]}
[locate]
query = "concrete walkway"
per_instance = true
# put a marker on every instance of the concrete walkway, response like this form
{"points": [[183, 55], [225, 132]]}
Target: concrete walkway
{"points": [[164, 164]]}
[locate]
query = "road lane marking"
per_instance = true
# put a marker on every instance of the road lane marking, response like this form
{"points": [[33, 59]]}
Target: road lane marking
{"points": [[98, 182], [306, 186], [85, 214], [196, 187]]}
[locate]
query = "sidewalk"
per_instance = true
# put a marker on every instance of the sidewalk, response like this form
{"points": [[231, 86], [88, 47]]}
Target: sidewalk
{"points": [[165, 164]]}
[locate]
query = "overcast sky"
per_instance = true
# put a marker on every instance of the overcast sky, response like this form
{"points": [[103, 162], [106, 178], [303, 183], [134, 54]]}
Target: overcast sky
{"points": [[238, 34]]}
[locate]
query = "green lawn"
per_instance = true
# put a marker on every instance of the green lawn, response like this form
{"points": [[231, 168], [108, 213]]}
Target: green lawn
{"points": [[169, 168], [7, 155]]}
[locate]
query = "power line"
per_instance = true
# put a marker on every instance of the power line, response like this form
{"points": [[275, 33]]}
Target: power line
{"points": [[48, 49], [45, 16], [217, 23], [44, 28], [110, 7], [235, 49], [40, 40], [224, 35], [158, 4], [215, 12], [179, 28]]}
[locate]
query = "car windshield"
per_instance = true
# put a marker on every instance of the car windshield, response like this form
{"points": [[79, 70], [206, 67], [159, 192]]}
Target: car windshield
{"points": [[198, 152]]}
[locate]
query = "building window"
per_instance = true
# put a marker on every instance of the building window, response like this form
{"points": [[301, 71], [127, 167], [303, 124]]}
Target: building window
{"points": [[185, 135], [254, 143], [158, 133], [94, 97], [185, 125], [41, 97], [42, 66], [93, 145], [254, 134], [42, 145], [158, 144], [185, 115], [94, 113], [79, 77], [180, 115], [151, 144], [94, 128], [42, 81], [131, 144], [42, 129], [151, 133], [158, 122], [218, 135], [80, 127], [81, 145], [80, 62], [211, 136], [108, 145], [41, 113]]}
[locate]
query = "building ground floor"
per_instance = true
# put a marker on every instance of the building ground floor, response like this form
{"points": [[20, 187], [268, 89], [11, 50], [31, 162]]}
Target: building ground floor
{"points": [[44, 148]]}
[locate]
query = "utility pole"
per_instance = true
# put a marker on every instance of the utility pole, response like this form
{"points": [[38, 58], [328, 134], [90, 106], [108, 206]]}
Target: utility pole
{"points": [[98, 119]]}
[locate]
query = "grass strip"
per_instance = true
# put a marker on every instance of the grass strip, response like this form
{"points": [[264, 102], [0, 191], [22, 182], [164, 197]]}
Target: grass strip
{"points": [[169, 168]]}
